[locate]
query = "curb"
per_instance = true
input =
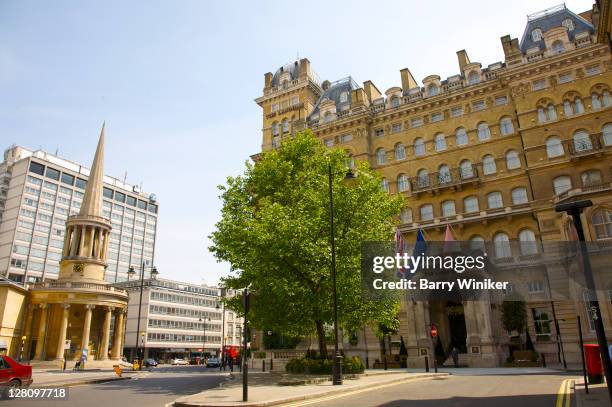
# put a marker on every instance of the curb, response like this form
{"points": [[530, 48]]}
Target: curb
{"points": [[82, 382], [178, 403]]}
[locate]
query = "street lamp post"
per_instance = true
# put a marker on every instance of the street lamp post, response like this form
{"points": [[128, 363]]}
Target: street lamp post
{"points": [[574, 209], [337, 362], [132, 272], [204, 337], [219, 307]]}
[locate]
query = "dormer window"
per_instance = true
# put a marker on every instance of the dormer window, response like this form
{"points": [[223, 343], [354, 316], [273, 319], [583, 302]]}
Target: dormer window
{"points": [[432, 90], [395, 102], [536, 35], [473, 78], [568, 23], [558, 47], [343, 97]]}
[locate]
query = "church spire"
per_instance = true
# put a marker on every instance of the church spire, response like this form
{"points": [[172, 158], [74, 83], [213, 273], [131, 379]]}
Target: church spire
{"points": [[92, 201]]}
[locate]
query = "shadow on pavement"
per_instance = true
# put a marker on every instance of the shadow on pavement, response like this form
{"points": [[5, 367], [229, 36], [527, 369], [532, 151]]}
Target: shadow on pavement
{"points": [[497, 401]]}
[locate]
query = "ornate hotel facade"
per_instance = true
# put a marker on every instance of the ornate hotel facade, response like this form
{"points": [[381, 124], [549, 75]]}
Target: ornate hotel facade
{"points": [[488, 151]]}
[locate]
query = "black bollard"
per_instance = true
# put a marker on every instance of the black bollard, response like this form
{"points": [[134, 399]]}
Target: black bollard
{"points": [[263, 365], [426, 364]]}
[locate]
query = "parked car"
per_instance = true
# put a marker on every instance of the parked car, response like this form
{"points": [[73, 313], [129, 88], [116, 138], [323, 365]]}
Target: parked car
{"points": [[213, 362], [13, 373], [150, 362], [179, 361]]}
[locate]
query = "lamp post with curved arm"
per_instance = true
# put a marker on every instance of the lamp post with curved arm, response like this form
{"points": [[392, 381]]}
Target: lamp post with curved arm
{"points": [[132, 272]]}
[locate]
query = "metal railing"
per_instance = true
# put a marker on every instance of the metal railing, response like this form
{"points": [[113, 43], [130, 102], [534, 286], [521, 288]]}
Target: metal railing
{"points": [[63, 285], [444, 179]]}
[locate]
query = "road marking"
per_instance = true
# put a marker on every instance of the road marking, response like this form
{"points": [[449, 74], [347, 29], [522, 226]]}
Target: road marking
{"points": [[350, 393], [564, 394]]}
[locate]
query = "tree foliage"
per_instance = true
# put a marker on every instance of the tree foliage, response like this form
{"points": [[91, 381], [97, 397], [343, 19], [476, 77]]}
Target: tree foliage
{"points": [[514, 314], [275, 233]]}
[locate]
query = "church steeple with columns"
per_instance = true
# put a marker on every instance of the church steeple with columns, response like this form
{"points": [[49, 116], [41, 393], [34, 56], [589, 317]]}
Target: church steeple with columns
{"points": [[87, 234]]}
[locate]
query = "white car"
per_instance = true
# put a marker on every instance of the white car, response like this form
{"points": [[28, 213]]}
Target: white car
{"points": [[178, 361]]}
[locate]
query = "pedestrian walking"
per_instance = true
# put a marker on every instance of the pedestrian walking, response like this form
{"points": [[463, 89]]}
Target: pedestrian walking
{"points": [[455, 356]]}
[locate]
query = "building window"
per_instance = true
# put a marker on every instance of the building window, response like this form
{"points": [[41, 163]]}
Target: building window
{"points": [[541, 320], [396, 127], [483, 132], [344, 97], [444, 174], [565, 77], [426, 212], [473, 78], [477, 243], [505, 126], [432, 90], [37, 168], [568, 23], [436, 117], [52, 173], [512, 160], [384, 184], [67, 179], [494, 200], [552, 112], [582, 141], [448, 208], [535, 287], [478, 106], [592, 70], [578, 106], [554, 147], [567, 108], [527, 242], [539, 84], [400, 151], [461, 138], [605, 96], [502, 246], [456, 111], [285, 126], [602, 222], [402, 183], [419, 146], [488, 165], [440, 141], [607, 134], [595, 102], [345, 138], [379, 132], [470, 204], [519, 196], [500, 100], [591, 178], [416, 122], [406, 215], [381, 156], [275, 129], [562, 184], [557, 47], [466, 169], [395, 102], [422, 178], [536, 35], [329, 142]]}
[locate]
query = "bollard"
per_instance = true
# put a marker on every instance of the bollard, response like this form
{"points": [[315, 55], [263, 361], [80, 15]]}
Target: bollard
{"points": [[435, 365], [263, 365], [426, 364], [271, 364], [543, 360]]}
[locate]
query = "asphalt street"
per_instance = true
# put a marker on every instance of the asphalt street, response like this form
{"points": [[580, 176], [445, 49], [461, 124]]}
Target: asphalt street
{"points": [[534, 390], [162, 385]]}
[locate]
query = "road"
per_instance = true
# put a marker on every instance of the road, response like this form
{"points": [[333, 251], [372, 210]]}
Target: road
{"points": [[161, 386], [535, 390]]}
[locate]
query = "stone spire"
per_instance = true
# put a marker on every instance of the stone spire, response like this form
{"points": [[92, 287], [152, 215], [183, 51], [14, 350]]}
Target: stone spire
{"points": [[92, 201]]}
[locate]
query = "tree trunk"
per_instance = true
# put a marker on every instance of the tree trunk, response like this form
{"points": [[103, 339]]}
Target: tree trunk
{"points": [[321, 338]]}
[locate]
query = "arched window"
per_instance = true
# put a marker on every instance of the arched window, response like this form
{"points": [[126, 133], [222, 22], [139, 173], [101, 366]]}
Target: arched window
{"points": [[422, 178], [536, 35], [557, 47], [473, 78], [488, 165], [448, 208], [502, 245], [561, 184], [432, 90], [426, 212], [444, 174], [343, 97], [527, 241], [402, 183], [578, 106], [512, 160], [395, 101], [285, 126], [567, 108], [483, 132], [384, 184], [541, 115], [440, 141], [552, 112], [595, 102], [406, 215], [400, 151], [461, 137], [477, 243], [590, 178], [381, 156], [470, 204], [568, 23], [519, 196], [607, 134], [466, 169], [419, 146], [350, 162], [275, 129], [505, 126], [602, 222], [494, 200], [605, 96], [554, 148], [582, 141]]}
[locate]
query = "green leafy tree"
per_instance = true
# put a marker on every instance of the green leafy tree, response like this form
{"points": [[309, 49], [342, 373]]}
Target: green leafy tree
{"points": [[274, 232], [514, 313]]}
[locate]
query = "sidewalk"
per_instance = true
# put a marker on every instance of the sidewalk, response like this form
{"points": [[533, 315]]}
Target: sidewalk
{"points": [[264, 390], [59, 378], [597, 397]]}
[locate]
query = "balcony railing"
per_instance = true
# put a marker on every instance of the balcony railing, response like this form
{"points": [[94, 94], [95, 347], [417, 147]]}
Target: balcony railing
{"points": [[586, 146], [67, 285], [445, 179]]}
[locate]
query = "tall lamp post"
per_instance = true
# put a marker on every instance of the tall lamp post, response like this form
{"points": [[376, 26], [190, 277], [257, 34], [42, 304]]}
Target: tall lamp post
{"points": [[204, 337], [219, 307], [574, 209], [132, 272], [337, 363]]}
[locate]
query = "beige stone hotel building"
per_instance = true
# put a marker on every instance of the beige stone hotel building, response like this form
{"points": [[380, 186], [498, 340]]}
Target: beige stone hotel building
{"points": [[488, 151]]}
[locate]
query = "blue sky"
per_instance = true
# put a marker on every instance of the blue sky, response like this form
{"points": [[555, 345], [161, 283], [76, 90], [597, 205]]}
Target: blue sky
{"points": [[175, 82]]}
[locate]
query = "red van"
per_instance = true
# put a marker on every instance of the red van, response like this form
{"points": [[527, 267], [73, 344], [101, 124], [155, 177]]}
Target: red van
{"points": [[13, 373]]}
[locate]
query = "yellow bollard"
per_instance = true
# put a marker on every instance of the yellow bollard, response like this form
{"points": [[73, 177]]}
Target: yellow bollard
{"points": [[117, 370]]}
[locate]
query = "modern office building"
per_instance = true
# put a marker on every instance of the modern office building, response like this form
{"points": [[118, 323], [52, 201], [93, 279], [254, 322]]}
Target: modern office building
{"points": [[175, 317], [39, 190], [488, 151]]}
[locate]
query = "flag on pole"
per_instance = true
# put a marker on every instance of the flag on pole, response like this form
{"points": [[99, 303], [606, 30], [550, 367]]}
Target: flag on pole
{"points": [[400, 248], [450, 244]]}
